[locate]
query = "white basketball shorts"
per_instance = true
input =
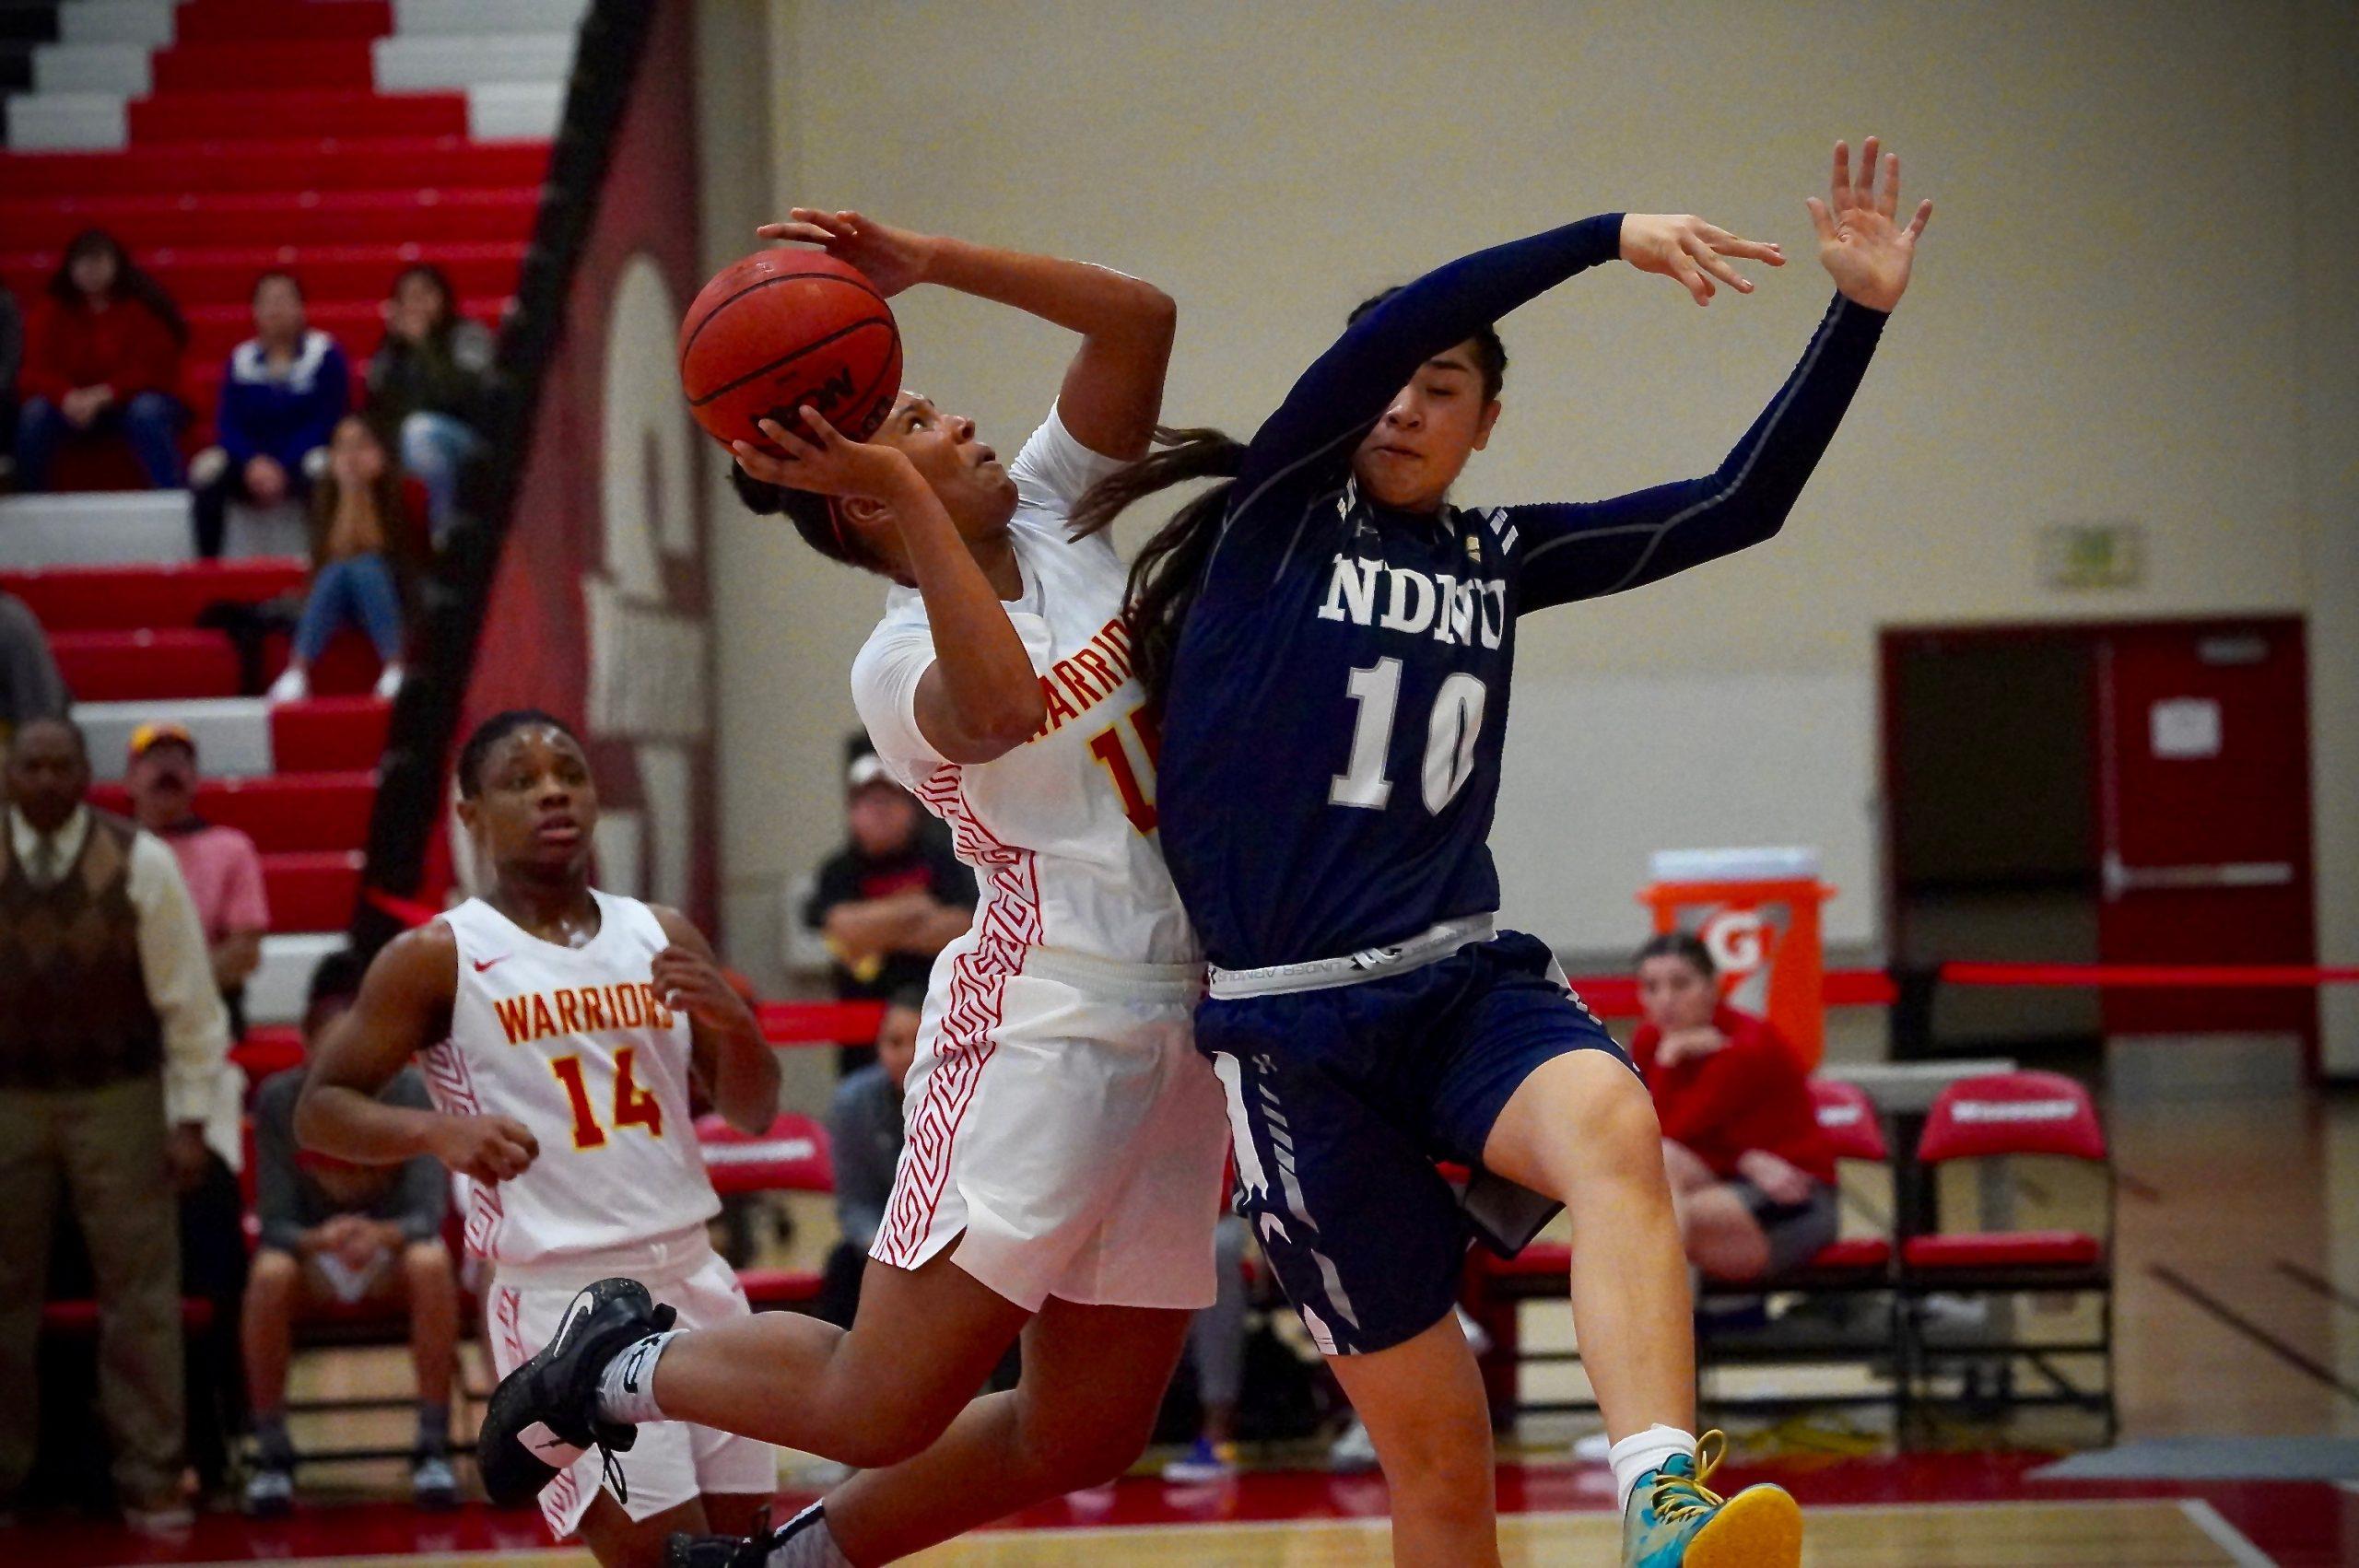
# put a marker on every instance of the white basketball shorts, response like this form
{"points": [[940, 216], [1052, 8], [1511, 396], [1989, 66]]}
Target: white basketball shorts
{"points": [[1064, 1133]]}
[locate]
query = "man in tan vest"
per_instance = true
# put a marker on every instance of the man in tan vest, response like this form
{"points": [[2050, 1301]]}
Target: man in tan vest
{"points": [[111, 1043]]}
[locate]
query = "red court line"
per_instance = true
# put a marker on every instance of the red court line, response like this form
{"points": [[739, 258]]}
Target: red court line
{"points": [[2209, 975]]}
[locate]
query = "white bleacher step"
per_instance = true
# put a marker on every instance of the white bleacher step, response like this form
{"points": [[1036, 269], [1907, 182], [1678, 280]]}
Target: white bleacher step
{"points": [[99, 529], [416, 16], [148, 23], [68, 122], [275, 991], [93, 68], [515, 112], [232, 733], [424, 62]]}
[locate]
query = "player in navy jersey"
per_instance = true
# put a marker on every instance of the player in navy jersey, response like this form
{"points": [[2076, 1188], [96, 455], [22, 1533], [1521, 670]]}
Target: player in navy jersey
{"points": [[1331, 640]]}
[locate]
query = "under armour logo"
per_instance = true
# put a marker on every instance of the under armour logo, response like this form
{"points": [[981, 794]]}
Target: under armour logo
{"points": [[1375, 957]]}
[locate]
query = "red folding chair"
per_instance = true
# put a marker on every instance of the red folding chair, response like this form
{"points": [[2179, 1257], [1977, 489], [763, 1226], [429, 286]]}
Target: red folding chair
{"points": [[791, 1156], [2042, 1116]]}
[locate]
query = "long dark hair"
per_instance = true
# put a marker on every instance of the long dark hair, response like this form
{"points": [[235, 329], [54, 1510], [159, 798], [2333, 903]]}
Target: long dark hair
{"points": [[384, 493], [130, 283], [1168, 570]]}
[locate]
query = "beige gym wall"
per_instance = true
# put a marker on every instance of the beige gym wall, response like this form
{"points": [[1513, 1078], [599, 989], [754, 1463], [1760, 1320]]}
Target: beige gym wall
{"points": [[2129, 307]]}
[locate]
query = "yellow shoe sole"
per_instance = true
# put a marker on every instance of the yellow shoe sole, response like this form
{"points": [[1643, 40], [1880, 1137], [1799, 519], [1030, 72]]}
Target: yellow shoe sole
{"points": [[1759, 1528]]}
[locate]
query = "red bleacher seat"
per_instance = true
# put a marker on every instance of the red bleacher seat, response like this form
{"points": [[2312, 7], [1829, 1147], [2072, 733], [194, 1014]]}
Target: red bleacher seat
{"points": [[132, 666], [313, 65], [792, 1156], [267, 1049], [282, 813], [1854, 1255], [217, 21], [2012, 1113], [352, 111], [224, 275], [82, 1317], [336, 734], [1848, 1120], [288, 168], [69, 599], [772, 1290], [2004, 1249], [312, 891], [271, 218]]}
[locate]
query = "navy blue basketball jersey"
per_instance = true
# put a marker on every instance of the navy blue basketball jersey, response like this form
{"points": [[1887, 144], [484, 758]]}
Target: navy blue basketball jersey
{"points": [[1338, 703]]}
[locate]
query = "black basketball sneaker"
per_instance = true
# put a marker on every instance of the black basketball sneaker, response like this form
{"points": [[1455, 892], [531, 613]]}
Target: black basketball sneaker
{"points": [[545, 1415]]}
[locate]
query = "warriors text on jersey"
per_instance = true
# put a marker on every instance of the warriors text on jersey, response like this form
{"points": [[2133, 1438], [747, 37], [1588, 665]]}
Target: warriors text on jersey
{"points": [[574, 1042], [1339, 700]]}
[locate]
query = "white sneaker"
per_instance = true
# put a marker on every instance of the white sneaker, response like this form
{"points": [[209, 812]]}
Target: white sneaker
{"points": [[165, 1519], [389, 681], [1355, 1451], [294, 685]]}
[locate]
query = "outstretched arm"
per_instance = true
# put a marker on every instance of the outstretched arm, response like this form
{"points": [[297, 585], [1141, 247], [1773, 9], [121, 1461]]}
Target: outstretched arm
{"points": [[1343, 393], [1589, 549], [1113, 388]]}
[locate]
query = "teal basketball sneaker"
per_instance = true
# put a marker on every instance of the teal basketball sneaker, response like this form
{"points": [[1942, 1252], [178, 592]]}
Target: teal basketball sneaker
{"points": [[1673, 1522]]}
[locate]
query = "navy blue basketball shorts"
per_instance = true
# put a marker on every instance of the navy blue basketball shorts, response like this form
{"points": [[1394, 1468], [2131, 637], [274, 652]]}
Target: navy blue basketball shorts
{"points": [[1341, 1101]]}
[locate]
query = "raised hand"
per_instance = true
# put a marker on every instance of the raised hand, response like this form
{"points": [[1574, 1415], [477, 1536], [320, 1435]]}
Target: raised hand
{"points": [[1690, 252], [824, 459], [691, 983], [892, 259], [1860, 245]]}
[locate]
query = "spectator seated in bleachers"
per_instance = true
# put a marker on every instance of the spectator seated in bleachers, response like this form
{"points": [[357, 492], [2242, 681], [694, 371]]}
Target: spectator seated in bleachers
{"points": [[864, 1140], [220, 864], [281, 393], [425, 386], [30, 686], [1751, 1176], [103, 358], [12, 365], [337, 1237], [359, 553]]}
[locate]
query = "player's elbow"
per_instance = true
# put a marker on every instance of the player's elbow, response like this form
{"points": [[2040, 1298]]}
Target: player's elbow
{"points": [[1157, 314], [1001, 725]]}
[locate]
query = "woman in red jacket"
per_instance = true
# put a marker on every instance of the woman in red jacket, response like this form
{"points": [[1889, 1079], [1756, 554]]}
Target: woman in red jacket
{"points": [[1751, 1176], [103, 356]]}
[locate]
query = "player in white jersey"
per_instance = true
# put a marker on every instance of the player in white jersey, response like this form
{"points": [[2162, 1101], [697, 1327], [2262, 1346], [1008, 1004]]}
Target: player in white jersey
{"points": [[559, 1030], [1063, 1168]]}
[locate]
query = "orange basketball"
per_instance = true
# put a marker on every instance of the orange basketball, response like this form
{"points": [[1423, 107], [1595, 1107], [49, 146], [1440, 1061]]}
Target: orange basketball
{"points": [[785, 328]]}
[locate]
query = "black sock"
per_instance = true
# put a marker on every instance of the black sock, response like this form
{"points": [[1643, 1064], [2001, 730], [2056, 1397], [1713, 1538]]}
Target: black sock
{"points": [[433, 1431]]}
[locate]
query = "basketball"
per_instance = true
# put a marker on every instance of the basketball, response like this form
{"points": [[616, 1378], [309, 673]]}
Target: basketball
{"points": [[781, 329]]}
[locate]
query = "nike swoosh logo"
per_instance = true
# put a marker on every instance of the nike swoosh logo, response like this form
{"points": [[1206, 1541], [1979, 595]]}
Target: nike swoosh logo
{"points": [[483, 963]]}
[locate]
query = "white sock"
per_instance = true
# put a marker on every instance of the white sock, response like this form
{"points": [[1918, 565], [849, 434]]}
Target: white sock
{"points": [[806, 1542], [1643, 1451], [626, 1388]]}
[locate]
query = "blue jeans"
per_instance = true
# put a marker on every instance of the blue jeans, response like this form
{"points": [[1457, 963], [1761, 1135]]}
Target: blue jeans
{"points": [[356, 591], [150, 421], [435, 447]]}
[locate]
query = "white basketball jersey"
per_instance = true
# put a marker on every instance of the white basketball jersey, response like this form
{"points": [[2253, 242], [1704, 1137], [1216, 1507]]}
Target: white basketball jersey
{"points": [[1062, 830], [573, 1043]]}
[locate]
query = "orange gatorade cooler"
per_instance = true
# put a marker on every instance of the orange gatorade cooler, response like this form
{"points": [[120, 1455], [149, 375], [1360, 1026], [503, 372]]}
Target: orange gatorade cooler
{"points": [[1756, 910]]}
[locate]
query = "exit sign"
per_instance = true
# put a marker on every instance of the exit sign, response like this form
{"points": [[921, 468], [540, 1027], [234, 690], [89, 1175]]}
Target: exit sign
{"points": [[2092, 554]]}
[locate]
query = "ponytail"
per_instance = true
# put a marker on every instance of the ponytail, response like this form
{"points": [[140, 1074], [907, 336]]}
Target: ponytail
{"points": [[1168, 570]]}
